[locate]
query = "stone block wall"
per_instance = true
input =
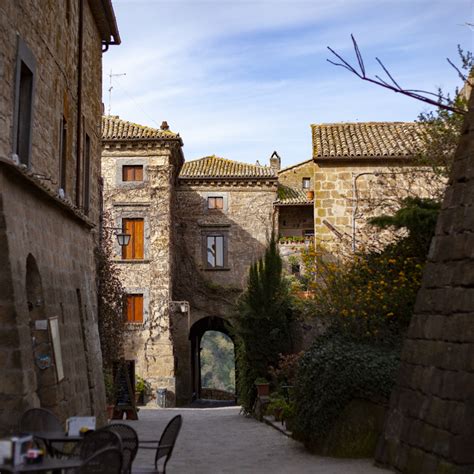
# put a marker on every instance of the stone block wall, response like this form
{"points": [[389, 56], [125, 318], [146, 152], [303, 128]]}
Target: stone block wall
{"points": [[47, 258], [293, 176], [430, 424], [149, 344], [50, 31], [368, 187]]}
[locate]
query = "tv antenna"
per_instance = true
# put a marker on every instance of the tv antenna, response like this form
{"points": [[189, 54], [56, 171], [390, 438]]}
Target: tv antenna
{"points": [[111, 76]]}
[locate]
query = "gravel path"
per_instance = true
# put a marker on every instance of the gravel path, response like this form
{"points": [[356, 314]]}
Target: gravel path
{"points": [[220, 440]]}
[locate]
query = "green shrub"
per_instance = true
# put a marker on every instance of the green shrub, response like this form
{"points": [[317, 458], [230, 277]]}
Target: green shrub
{"points": [[332, 373]]}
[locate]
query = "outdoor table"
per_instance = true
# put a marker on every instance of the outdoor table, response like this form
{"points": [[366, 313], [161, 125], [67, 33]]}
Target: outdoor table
{"points": [[50, 437], [47, 464]]}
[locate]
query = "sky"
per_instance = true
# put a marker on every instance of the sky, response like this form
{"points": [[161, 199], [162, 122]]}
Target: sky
{"points": [[240, 79]]}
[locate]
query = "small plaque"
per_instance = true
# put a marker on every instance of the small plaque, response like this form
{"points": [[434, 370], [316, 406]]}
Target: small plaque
{"points": [[41, 325]]}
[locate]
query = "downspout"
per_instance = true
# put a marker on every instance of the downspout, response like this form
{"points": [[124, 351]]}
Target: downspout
{"points": [[79, 103], [355, 206]]}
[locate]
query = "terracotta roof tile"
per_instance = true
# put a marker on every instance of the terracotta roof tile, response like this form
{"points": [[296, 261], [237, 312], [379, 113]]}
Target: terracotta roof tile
{"points": [[215, 167], [366, 139], [114, 128], [292, 196]]}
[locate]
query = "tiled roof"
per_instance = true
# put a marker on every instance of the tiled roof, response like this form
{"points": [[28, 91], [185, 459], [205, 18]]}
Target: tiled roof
{"points": [[215, 167], [114, 128], [292, 196], [366, 139]]}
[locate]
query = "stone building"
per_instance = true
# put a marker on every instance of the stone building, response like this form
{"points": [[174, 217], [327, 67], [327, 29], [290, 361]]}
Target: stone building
{"points": [[50, 108], [362, 170], [225, 217], [140, 167], [429, 428]]}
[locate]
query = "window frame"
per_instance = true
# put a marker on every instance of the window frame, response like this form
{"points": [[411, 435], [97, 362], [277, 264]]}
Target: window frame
{"points": [[304, 180], [215, 200], [134, 167], [24, 58], [205, 234]]}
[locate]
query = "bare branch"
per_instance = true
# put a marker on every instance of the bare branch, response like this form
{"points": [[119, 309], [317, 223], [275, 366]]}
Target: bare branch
{"points": [[423, 96]]}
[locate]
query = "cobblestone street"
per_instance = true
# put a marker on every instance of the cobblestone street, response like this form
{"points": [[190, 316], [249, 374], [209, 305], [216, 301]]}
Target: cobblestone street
{"points": [[219, 440]]}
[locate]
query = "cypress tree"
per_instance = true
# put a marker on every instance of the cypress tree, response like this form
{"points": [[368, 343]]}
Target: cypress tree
{"points": [[262, 327]]}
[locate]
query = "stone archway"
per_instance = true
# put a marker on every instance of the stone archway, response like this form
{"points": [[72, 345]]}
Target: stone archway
{"points": [[197, 331], [42, 350]]}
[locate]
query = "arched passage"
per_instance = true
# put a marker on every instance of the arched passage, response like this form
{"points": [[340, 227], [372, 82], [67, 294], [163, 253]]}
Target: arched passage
{"points": [[42, 351], [198, 329]]}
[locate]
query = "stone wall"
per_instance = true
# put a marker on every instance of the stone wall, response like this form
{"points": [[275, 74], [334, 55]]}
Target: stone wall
{"points": [[149, 344], [293, 221], [293, 176], [348, 191], [47, 266], [430, 425], [210, 293]]}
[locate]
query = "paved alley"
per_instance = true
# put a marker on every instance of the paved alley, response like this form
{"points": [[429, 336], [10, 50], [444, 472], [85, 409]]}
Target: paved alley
{"points": [[219, 440]]}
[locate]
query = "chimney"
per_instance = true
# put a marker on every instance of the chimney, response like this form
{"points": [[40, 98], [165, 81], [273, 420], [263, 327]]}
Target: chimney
{"points": [[275, 161]]}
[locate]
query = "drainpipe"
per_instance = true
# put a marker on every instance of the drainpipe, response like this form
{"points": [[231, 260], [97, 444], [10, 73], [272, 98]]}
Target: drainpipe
{"points": [[79, 103], [355, 206]]}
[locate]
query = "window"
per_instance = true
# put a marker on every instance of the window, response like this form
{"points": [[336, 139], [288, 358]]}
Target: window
{"points": [[134, 309], [132, 173], [306, 183], [63, 153], [134, 249], [87, 173], [214, 249], [215, 202], [23, 103]]}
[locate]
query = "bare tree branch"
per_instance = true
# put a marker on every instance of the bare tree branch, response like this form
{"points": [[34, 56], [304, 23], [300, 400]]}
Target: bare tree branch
{"points": [[421, 95]]}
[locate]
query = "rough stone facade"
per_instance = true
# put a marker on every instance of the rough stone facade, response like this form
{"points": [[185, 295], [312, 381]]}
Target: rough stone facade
{"points": [[430, 424], [47, 237], [295, 202], [362, 170], [148, 343]]}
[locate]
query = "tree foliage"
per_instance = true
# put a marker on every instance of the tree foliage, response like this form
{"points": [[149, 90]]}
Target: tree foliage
{"points": [[332, 373], [217, 361], [111, 299], [262, 323]]}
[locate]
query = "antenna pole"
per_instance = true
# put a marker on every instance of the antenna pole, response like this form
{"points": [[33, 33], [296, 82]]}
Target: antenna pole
{"points": [[111, 76]]}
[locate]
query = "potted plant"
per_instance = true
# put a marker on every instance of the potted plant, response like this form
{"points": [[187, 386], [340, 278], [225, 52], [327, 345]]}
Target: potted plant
{"points": [[263, 387], [140, 390], [276, 407]]}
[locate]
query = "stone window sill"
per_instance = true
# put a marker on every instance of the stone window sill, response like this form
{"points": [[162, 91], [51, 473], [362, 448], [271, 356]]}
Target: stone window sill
{"points": [[134, 326], [131, 261]]}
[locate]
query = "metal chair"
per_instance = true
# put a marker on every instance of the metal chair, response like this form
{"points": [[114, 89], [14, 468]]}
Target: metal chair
{"points": [[107, 460], [95, 441], [40, 419], [164, 448], [129, 440]]}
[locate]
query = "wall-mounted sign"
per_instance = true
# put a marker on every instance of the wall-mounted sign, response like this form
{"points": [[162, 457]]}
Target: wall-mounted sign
{"points": [[56, 343], [41, 325], [43, 361]]}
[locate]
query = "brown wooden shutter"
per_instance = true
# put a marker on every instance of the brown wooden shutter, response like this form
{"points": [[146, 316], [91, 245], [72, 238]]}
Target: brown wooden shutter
{"points": [[135, 248], [134, 312]]}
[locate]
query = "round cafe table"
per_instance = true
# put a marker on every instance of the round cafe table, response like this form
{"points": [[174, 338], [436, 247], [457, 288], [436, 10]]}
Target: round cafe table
{"points": [[47, 464]]}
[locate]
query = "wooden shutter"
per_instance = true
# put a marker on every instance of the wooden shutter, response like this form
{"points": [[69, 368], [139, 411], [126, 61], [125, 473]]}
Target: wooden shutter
{"points": [[134, 313], [135, 248], [132, 173]]}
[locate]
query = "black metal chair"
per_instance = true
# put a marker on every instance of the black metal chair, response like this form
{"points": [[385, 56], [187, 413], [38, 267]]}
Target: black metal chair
{"points": [[40, 419], [107, 460], [95, 441], [164, 448], [129, 440]]}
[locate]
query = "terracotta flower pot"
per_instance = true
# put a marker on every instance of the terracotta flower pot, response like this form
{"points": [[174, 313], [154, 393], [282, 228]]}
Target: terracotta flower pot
{"points": [[263, 389], [310, 195]]}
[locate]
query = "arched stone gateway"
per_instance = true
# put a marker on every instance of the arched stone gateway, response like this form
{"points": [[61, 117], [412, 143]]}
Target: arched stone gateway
{"points": [[196, 333]]}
